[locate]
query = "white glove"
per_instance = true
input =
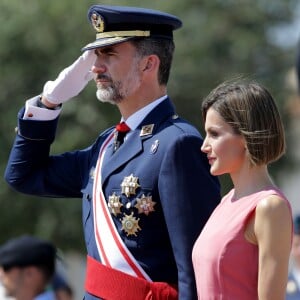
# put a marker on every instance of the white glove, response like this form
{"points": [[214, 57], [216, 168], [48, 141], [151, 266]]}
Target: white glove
{"points": [[72, 80]]}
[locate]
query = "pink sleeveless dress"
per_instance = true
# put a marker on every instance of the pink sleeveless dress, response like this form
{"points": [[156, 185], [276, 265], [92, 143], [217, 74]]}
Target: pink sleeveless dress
{"points": [[225, 263]]}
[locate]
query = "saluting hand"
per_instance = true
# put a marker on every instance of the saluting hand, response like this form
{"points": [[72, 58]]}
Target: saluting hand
{"points": [[71, 81]]}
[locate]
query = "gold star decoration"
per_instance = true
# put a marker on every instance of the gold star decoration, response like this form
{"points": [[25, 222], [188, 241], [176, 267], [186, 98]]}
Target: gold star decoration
{"points": [[145, 205], [129, 185], [114, 204], [130, 224]]}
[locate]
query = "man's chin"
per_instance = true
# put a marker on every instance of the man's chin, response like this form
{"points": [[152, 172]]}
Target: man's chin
{"points": [[104, 97]]}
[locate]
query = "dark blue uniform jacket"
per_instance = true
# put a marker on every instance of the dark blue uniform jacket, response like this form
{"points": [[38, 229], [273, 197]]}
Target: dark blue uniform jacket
{"points": [[169, 167]]}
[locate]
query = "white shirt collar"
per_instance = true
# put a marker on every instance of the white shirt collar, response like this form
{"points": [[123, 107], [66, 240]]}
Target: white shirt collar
{"points": [[134, 120]]}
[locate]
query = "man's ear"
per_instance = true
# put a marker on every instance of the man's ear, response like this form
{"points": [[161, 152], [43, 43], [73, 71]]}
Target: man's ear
{"points": [[151, 63]]}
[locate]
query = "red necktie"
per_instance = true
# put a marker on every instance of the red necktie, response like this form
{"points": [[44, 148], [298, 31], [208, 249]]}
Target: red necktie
{"points": [[122, 130]]}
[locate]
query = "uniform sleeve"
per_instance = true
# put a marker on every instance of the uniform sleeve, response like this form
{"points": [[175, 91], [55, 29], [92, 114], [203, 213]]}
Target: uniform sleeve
{"points": [[32, 170], [189, 194]]}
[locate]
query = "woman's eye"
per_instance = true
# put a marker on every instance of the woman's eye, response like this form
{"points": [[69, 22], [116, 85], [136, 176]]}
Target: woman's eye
{"points": [[213, 134]]}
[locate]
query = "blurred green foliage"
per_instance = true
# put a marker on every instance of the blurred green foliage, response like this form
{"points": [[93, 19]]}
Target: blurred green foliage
{"points": [[219, 40]]}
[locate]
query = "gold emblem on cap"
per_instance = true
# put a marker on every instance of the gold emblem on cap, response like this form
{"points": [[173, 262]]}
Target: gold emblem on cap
{"points": [[147, 129], [97, 22], [114, 204], [145, 205], [129, 185], [130, 224]]}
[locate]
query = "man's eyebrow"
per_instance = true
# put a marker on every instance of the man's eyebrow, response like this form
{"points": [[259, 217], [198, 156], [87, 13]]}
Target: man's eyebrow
{"points": [[106, 49]]}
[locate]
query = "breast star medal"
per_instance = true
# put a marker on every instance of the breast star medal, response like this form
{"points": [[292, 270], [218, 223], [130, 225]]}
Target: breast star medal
{"points": [[129, 185], [130, 224], [114, 204], [145, 205]]}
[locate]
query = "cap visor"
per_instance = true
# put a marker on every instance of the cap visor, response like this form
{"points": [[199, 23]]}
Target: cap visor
{"points": [[105, 42]]}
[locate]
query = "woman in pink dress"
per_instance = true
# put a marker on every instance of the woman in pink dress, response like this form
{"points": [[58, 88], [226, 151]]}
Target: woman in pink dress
{"points": [[243, 251]]}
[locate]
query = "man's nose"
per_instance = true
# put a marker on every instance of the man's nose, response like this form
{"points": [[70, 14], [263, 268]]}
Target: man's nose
{"points": [[98, 67]]}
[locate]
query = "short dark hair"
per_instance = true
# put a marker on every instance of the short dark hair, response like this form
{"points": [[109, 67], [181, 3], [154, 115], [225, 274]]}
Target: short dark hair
{"points": [[163, 48], [252, 112]]}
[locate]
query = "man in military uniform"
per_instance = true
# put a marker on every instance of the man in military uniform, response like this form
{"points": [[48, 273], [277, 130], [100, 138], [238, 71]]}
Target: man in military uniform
{"points": [[146, 186], [293, 284], [27, 265]]}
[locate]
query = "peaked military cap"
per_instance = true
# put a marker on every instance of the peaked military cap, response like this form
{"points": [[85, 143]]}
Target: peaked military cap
{"points": [[27, 251], [116, 24]]}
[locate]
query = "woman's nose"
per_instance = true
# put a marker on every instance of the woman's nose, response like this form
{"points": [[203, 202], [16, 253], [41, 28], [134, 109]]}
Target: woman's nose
{"points": [[204, 147]]}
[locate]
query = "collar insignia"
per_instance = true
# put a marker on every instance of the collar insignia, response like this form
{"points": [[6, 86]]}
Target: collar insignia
{"points": [[97, 22], [147, 130]]}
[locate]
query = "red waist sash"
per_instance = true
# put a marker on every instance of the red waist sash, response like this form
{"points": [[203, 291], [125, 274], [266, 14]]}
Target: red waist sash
{"points": [[111, 284]]}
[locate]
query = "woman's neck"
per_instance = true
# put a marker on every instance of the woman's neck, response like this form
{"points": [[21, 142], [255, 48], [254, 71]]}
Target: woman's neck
{"points": [[251, 180]]}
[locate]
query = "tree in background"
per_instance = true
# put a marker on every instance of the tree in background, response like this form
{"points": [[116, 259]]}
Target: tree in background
{"points": [[219, 40]]}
